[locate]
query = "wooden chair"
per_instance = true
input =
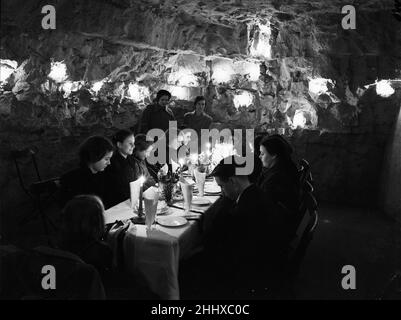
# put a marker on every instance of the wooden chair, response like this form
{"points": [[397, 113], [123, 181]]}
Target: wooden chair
{"points": [[308, 220], [23, 275], [308, 223], [305, 232], [304, 171], [40, 191]]}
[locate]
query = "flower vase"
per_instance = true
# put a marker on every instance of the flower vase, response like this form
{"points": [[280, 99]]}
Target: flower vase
{"points": [[167, 192]]}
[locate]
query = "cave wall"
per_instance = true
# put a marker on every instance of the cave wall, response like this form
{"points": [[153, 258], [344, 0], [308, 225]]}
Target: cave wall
{"points": [[209, 48], [391, 176]]}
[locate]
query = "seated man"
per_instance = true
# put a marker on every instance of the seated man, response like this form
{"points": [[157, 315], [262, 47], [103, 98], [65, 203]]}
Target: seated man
{"points": [[245, 246]]}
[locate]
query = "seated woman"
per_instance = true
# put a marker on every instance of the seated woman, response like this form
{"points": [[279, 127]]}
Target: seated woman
{"points": [[82, 228], [94, 155], [172, 142], [141, 152], [82, 231], [123, 169], [279, 178]]}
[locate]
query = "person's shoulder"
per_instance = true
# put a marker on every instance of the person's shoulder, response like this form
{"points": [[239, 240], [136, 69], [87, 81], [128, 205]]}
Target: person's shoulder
{"points": [[116, 158], [134, 161], [73, 174], [149, 108], [189, 114], [103, 246], [115, 164], [208, 116], [254, 190]]}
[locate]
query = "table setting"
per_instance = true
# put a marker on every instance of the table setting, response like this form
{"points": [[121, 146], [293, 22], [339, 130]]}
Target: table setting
{"points": [[163, 223]]}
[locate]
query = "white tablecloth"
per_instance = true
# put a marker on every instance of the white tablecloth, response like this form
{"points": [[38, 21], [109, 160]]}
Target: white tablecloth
{"points": [[154, 255]]}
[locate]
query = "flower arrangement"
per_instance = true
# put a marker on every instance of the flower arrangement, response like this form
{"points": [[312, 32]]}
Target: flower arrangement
{"points": [[167, 182], [209, 159]]}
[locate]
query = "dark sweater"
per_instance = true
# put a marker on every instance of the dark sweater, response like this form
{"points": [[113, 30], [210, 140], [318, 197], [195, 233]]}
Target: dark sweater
{"points": [[281, 185], [120, 173], [155, 116], [82, 181], [247, 244], [95, 252], [197, 122]]}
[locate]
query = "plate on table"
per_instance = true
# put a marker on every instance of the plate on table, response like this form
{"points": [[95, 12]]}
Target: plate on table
{"points": [[212, 188], [172, 221], [200, 201], [162, 210]]}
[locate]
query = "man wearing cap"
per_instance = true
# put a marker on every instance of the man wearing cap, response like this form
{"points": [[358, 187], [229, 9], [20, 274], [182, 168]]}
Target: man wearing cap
{"points": [[245, 243]]}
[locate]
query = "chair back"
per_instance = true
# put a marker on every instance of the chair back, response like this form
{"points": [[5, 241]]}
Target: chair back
{"points": [[304, 173], [29, 175], [305, 232], [308, 222], [73, 279], [26, 166], [305, 186]]}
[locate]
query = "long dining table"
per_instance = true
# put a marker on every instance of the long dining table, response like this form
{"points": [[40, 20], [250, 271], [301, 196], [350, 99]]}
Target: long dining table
{"points": [[153, 255]]}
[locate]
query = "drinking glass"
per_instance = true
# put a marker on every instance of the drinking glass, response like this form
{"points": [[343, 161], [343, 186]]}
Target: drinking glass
{"points": [[150, 209], [187, 193], [200, 178]]}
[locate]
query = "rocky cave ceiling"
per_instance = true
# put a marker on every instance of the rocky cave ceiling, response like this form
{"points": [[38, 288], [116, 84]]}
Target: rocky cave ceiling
{"points": [[260, 64]]}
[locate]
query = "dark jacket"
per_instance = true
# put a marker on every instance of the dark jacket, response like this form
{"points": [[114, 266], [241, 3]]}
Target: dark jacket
{"points": [[141, 169], [94, 252], [248, 245], [82, 181], [257, 169], [120, 173], [155, 116], [197, 122], [281, 185]]}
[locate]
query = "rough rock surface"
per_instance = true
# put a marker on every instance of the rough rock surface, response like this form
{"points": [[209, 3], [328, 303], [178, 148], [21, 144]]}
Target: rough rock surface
{"points": [[268, 51]]}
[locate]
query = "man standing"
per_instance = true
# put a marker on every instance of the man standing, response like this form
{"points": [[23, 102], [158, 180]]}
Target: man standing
{"points": [[198, 119], [158, 114]]}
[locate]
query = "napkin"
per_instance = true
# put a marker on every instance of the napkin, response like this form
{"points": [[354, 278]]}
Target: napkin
{"points": [[174, 165], [151, 193], [186, 190], [164, 169]]}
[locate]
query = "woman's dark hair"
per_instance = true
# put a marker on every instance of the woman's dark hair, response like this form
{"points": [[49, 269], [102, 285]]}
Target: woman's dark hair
{"points": [[279, 146], [94, 149], [162, 93], [256, 144], [197, 99], [82, 219], [141, 144], [285, 142], [121, 135]]}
